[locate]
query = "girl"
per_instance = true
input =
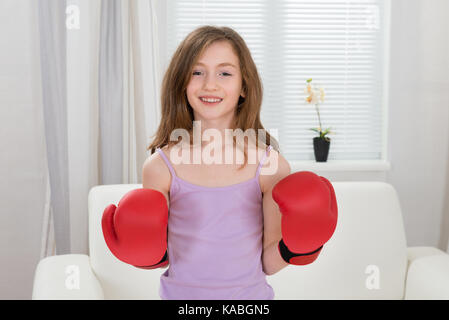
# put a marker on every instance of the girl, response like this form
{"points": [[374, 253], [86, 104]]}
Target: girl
{"points": [[223, 226]]}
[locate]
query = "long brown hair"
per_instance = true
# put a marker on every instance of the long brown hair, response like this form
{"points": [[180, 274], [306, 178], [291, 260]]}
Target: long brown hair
{"points": [[176, 110]]}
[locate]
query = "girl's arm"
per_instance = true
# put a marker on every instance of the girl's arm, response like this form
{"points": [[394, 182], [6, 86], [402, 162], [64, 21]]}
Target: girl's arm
{"points": [[272, 261], [155, 175]]}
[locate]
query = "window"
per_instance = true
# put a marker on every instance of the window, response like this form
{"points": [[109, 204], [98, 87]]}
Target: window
{"points": [[340, 44]]}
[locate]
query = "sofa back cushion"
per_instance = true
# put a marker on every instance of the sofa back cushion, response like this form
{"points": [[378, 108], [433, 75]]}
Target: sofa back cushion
{"points": [[365, 258]]}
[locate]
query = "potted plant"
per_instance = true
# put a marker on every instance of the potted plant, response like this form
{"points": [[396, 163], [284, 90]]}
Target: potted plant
{"points": [[321, 143]]}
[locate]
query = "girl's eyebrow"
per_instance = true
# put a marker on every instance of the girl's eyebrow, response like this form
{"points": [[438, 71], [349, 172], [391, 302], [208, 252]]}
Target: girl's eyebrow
{"points": [[218, 65]]}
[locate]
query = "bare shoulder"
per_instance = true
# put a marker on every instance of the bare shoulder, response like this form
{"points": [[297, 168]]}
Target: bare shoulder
{"points": [[155, 173], [275, 168]]}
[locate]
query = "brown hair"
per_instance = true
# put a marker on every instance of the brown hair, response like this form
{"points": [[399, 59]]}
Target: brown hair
{"points": [[176, 111]]}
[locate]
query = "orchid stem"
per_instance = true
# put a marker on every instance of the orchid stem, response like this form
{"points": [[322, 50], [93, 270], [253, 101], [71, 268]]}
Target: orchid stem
{"points": [[319, 119]]}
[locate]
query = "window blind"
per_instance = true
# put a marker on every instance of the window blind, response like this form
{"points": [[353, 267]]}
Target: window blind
{"points": [[339, 44]]}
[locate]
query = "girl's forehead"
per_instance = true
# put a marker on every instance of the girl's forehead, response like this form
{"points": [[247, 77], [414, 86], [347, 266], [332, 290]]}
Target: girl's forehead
{"points": [[222, 51], [222, 64]]}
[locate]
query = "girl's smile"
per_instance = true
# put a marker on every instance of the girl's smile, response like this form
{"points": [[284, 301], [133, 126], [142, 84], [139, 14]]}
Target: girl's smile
{"points": [[210, 101]]}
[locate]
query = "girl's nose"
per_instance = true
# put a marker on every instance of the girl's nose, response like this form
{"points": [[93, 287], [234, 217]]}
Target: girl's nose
{"points": [[210, 81]]}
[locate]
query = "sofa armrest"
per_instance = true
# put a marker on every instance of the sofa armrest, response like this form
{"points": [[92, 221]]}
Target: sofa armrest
{"points": [[66, 277], [414, 253], [427, 275]]}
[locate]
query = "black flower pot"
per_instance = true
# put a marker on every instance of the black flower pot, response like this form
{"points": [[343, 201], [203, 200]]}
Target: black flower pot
{"points": [[321, 148]]}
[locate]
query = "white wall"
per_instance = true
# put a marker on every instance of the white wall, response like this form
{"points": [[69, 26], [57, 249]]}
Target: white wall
{"points": [[419, 115], [23, 156]]}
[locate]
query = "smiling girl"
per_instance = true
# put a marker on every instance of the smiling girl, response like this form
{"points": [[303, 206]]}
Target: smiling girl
{"points": [[223, 225], [221, 228]]}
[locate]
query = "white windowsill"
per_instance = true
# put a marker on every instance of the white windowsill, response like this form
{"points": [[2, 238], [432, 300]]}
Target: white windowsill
{"points": [[340, 165]]}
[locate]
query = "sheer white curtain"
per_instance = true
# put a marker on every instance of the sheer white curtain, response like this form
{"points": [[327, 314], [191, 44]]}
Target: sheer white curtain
{"points": [[142, 78], [113, 80], [52, 54], [444, 238]]}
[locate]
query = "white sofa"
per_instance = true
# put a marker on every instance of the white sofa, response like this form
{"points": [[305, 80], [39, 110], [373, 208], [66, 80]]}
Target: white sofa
{"points": [[367, 258]]}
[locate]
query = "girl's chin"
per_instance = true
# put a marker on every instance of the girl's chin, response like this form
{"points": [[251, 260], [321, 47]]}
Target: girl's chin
{"points": [[206, 114]]}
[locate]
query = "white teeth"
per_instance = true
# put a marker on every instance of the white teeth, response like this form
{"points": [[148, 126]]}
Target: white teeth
{"points": [[211, 100]]}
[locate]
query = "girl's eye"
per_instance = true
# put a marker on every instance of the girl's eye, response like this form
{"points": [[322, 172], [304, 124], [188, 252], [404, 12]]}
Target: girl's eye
{"points": [[224, 73]]}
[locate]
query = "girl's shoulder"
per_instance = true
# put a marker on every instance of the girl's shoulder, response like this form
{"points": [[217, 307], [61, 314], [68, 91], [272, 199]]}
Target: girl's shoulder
{"points": [[274, 168], [155, 174]]}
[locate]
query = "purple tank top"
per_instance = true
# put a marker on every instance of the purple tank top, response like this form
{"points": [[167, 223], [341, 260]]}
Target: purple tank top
{"points": [[215, 241]]}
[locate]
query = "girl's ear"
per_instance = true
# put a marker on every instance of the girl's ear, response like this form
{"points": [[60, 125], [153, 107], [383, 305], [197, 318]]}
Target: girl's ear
{"points": [[241, 100]]}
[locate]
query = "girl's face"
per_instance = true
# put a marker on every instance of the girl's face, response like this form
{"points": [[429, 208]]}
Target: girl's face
{"points": [[216, 75]]}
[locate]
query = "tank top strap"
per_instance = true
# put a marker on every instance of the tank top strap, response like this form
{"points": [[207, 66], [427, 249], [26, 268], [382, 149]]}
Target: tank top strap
{"points": [[167, 162], [263, 160]]}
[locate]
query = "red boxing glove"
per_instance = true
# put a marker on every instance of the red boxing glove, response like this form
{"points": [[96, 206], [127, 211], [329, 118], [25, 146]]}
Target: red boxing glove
{"points": [[309, 215], [136, 230]]}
